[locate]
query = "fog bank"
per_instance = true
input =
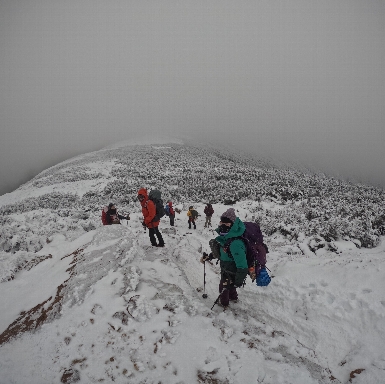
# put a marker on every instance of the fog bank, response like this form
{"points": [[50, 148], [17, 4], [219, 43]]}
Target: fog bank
{"points": [[299, 80]]}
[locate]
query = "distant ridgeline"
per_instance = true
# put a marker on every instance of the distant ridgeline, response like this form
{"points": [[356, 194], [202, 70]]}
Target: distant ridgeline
{"points": [[312, 204]]}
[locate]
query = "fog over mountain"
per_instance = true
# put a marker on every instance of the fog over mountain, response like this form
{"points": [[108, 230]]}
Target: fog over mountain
{"points": [[299, 80]]}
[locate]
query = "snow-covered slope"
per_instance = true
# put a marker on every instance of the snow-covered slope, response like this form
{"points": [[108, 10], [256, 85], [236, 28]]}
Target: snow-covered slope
{"points": [[86, 303]]}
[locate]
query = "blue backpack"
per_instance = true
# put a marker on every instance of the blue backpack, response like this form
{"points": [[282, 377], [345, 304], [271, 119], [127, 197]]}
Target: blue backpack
{"points": [[167, 210], [263, 278]]}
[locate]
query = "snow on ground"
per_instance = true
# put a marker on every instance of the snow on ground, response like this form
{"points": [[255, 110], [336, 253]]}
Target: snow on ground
{"points": [[107, 307], [80, 187], [85, 303]]}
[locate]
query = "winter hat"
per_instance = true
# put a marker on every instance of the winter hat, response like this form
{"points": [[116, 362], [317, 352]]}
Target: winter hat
{"points": [[228, 216]]}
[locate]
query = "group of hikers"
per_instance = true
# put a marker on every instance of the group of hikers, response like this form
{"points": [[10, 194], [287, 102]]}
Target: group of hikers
{"points": [[193, 215], [110, 214], [229, 247]]}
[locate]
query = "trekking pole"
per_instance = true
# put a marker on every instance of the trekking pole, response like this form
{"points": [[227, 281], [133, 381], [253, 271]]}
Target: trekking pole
{"points": [[216, 301], [204, 280]]}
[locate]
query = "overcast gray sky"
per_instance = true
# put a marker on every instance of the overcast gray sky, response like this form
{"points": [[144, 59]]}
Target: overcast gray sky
{"points": [[297, 79]]}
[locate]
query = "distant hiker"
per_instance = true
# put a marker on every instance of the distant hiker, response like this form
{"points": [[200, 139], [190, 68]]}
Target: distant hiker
{"points": [[208, 211], [170, 212], [110, 215], [192, 216], [233, 261], [150, 220]]}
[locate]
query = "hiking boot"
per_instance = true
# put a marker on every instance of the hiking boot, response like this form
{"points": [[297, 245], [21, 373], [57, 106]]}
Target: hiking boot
{"points": [[223, 306], [234, 300], [160, 245]]}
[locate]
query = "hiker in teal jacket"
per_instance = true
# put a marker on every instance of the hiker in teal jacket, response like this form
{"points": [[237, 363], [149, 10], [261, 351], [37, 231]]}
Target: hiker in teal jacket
{"points": [[234, 263]]}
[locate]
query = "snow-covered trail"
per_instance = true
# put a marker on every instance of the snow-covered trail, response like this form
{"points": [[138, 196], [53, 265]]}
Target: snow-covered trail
{"points": [[330, 306], [114, 309]]}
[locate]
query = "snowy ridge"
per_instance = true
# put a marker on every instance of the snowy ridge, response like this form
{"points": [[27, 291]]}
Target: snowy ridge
{"points": [[69, 196], [126, 312], [86, 303]]}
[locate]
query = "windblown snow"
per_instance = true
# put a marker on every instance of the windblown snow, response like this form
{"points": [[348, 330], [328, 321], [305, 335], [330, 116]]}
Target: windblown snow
{"points": [[86, 303]]}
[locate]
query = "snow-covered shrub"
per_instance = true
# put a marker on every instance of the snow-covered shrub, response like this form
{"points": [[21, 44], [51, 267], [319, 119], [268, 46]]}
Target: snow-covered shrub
{"points": [[378, 224], [316, 243], [312, 204], [53, 200]]}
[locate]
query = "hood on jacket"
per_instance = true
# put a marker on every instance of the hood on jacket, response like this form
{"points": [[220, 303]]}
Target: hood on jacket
{"points": [[143, 191], [236, 230], [170, 203]]}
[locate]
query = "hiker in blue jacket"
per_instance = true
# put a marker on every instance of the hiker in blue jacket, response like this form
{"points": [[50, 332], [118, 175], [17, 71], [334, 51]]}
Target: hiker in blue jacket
{"points": [[234, 263]]}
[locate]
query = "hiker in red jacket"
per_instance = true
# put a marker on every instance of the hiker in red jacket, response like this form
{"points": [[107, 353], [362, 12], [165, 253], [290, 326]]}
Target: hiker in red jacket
{"points": [[110, 215], [149, 212], [171, 213]]}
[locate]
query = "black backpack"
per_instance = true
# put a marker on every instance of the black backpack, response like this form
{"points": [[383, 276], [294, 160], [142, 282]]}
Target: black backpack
{"points": [[209, 210], [155, 197]]}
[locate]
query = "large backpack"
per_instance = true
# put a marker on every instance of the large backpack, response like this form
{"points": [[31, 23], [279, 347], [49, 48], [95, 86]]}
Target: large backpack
{"points": [[109, 219], [256, 250], [167, 210], [194, 214], [208, 210], [156, 197]]}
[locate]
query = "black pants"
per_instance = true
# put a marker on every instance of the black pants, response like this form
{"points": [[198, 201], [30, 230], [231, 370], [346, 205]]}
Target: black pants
{"points": [[155, 231], [191, 220], [172, 217], [227, 294]]}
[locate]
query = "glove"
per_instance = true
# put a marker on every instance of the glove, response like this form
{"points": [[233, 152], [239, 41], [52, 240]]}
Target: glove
{"points": [[206, 257], [228, 283], [252, 273], [263, 278], [240, 277]]}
